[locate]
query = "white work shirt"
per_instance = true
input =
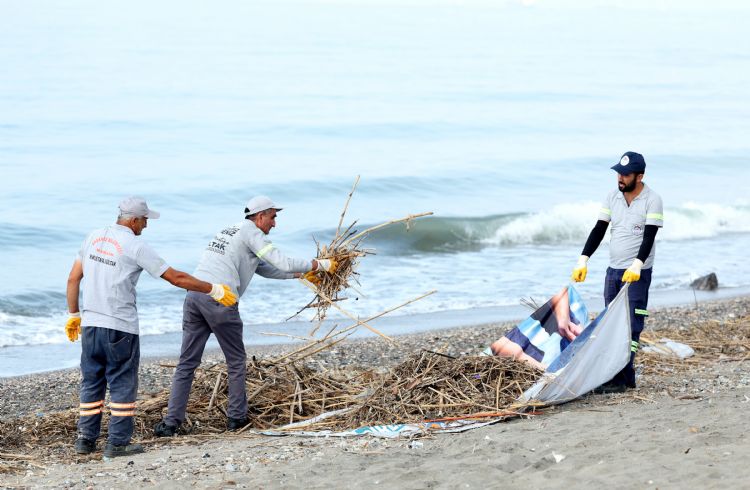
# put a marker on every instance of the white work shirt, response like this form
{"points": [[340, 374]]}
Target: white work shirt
{"points": [[628, 224], [112, 260], [239, 251]]}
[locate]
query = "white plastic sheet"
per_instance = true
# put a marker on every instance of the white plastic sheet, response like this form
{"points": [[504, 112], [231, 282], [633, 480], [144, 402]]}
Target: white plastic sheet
{"points": [[594, 357]]}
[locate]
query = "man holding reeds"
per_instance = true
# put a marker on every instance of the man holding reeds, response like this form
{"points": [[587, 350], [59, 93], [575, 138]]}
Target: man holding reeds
{"points": [[109, 263], [636, 214], [233, 256]]}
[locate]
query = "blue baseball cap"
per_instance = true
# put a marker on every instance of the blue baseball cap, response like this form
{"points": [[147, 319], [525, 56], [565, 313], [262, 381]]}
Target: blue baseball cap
{"points": [[630, 163]]}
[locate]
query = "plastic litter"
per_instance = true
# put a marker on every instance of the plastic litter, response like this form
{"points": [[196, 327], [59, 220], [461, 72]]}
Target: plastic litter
{"points": [[670, 347]]}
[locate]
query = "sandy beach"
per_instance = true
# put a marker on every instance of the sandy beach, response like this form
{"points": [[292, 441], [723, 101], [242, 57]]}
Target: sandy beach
{"points": [[683, 426], [480, 150]]}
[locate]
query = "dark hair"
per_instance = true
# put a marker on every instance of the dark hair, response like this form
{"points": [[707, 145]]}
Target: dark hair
{"points": [[252, 216]]}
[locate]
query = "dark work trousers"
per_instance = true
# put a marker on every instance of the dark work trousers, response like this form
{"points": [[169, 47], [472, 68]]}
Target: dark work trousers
{"points": [[108, 358], [202, 316], [638, 297]]}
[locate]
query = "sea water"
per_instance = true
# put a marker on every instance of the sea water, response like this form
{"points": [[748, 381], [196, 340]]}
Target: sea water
{"points": [[501, 118]]}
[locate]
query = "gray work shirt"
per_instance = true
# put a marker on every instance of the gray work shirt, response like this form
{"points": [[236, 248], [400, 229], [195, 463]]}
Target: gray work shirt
{"points": [[628, 224], [112, 260], [239, 251]]}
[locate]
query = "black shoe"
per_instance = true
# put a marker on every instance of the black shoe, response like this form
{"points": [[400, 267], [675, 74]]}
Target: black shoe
{"points": [[608, 388], [85, 446], [236, 424], [112, 451], [163, 429]]}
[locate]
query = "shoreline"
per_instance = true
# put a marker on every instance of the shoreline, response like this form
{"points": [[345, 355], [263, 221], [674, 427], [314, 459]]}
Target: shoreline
{"points": [[682, 426], [167, 346], [16, 392]]}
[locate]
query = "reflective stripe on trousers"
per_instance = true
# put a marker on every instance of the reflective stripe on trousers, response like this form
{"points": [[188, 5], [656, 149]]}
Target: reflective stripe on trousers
{"points": [[109, 358], [638, 298]]}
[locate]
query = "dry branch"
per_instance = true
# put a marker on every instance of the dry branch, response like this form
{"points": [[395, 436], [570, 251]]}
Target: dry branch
{"points": [[345, 249]]}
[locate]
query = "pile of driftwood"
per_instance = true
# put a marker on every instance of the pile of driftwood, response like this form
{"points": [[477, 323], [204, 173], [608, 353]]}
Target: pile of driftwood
{"points": [[432, 386], [712, 341], [278, 394], [425, 387]]}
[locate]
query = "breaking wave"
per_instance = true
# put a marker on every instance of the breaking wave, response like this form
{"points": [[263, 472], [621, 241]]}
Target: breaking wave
{"points": [[564, 224]]}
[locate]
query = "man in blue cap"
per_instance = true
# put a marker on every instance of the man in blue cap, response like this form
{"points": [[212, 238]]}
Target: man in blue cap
{"points": [[636, 214]]}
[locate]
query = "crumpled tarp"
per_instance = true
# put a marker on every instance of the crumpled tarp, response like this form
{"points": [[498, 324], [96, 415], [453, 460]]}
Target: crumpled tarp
{"points": [[572, 369]]}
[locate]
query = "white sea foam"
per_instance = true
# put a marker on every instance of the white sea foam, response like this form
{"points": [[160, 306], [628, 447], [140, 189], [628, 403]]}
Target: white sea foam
{"points": [[705, 220], [562, 223], [571, 223]]}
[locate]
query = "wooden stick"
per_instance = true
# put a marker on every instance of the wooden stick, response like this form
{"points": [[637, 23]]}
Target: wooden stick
{"points": [[343, 212], [296, 337], [359, 322], [326, 346], [481, 415], [216, 390], [22, 457], [317, 326], [340, 332], [383, 225]]}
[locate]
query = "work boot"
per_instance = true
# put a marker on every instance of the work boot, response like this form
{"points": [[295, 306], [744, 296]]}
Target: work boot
{"points": [[609, 388], [112, 451], [236, 424], [163, 429], [85, 446]]}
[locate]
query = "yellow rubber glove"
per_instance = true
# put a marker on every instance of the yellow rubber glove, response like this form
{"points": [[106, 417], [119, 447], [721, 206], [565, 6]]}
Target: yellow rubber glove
{"points": [[579, 273], [327, 265], [633, 273], [73, 327], [223, 294], [312, 277]]}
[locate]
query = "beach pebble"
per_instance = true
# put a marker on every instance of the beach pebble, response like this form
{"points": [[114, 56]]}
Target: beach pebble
{"points": [[215, 460]]}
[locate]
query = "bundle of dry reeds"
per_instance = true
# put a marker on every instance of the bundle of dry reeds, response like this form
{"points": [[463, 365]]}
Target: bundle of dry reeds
{"points": [[346, 249], [331, 286], [430, 385]]}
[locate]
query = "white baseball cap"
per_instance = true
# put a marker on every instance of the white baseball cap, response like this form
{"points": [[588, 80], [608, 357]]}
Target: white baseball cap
{"points": [[258, 204], [136, 206]]}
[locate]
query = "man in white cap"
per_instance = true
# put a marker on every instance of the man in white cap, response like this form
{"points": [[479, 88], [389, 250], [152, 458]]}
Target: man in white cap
{"points": [[231, 257], [636, 213], [109, 263]]}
